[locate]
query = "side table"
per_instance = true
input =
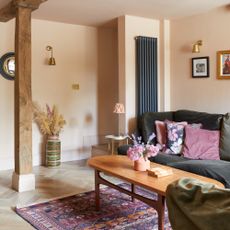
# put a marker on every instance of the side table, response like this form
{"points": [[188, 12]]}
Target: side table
{"points": [[112, 140]]}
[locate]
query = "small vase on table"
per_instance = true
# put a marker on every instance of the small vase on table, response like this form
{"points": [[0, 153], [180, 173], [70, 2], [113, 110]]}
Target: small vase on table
{"points": [[141, 164]]}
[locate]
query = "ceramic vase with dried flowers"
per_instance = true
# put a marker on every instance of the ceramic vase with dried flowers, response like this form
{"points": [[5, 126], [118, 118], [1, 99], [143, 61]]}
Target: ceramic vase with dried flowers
{"points": [[140, 152], [50, 123]]}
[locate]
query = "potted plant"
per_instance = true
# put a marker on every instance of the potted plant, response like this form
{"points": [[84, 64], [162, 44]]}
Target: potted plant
{"points": [[50, 123], [140, 152]]}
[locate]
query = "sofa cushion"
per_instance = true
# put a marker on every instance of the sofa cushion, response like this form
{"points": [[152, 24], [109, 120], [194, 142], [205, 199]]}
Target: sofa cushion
{"points": [[201, 143], [175, 136], [160, 132], [164, 159], [218, 170], [208, 121], [148, 123], [225, 138]]}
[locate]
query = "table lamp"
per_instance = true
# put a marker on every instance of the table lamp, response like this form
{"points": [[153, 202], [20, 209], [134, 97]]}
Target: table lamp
{"points": [[119, 109]]}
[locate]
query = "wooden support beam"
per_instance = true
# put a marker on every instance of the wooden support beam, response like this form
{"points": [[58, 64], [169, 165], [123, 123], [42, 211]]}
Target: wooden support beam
{"points": [[23, 102], [23, 178], [9, 11], [23, 98]]}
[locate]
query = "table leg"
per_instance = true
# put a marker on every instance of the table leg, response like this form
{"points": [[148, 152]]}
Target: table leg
{"points": [[133, 191], [109, 146], [112, 147], [161, 212], [97, 190]]}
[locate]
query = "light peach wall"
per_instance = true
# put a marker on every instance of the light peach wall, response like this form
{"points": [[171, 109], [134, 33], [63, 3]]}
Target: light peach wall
{"points": [[128, 28], [75, 50], [107, 81], [207, 94], [6, 101]]}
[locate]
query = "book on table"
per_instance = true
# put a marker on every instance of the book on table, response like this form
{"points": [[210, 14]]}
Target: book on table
{"points": [[159, 172]]}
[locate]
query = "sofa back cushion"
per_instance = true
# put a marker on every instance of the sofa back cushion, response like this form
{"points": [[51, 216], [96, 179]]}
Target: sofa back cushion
{"points": [[208, 121], [148, 123], [225, 138]]}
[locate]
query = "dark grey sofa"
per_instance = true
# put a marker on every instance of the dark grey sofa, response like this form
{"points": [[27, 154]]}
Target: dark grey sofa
{"points": [[216, 169]]}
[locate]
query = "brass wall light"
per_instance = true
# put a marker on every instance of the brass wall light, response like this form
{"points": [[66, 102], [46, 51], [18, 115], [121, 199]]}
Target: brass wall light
{"points": [[51, 59], [196, 46]]}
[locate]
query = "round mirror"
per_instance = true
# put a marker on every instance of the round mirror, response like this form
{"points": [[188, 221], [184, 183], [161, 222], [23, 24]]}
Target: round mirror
{"points": [[7, 66]]}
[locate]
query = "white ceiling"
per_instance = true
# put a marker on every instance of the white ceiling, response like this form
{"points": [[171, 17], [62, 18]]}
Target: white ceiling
{"points": [[98, 12]]}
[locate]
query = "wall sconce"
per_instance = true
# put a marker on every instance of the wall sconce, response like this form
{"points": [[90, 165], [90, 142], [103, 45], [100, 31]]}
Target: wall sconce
{"points": [[51, 59], [196, 46]]}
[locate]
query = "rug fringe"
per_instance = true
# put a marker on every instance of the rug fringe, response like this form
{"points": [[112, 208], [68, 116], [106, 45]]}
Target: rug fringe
{"points": [[56, 198], [48, 200]]}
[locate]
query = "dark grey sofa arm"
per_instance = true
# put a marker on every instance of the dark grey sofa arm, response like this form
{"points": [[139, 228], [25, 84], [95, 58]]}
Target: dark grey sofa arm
{"points": [[122, 150]]}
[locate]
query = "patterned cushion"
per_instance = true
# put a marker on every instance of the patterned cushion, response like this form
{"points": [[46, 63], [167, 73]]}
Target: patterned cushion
{"points": [[175, 136]]}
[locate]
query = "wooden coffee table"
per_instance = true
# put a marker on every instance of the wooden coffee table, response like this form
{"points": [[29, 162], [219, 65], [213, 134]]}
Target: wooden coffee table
{"points": [[121, 167]]}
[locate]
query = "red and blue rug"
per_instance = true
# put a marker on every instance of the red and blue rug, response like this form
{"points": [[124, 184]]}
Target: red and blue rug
{"points": [[78, 212]]}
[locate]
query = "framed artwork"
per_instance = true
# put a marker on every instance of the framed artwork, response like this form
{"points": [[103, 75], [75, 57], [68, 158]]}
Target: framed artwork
{"points": [[200, 67], [223, 64], [7, 66]]}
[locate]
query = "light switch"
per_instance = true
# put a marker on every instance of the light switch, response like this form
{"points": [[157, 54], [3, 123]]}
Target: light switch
{"points": [[75, 86]]}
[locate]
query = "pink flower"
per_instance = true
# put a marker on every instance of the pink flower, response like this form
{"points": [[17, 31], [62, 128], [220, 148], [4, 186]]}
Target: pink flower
{"points": [[135, 152], [152, 150], [141, 150]]}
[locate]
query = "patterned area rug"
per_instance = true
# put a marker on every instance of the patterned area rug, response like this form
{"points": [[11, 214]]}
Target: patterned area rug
{"points": [[78, 212]]}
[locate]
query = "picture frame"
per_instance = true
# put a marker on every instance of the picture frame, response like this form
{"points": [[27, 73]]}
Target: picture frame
{"points": [[200, 67], [223, 64], [7, 66]]}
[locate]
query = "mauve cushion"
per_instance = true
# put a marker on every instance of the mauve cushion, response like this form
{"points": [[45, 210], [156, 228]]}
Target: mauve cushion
{"points": [[160, 132], [201, 144]]}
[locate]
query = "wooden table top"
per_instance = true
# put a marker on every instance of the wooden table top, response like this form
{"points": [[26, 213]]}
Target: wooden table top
{"points": [[122, 167]]}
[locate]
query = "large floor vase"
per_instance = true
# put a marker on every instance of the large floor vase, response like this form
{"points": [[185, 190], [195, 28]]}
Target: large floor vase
{"points": [[141, 164], [53, 151]]}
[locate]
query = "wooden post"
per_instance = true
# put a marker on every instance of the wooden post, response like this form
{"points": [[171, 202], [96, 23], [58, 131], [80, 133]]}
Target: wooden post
{"points": [[23, 100], [23, 179]]}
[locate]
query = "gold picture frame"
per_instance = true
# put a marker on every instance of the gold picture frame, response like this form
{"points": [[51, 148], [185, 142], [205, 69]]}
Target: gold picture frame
{"points": [[223, 64]]}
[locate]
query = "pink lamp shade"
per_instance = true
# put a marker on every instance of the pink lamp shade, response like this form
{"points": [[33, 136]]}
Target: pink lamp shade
{"points": [[119, 108]]}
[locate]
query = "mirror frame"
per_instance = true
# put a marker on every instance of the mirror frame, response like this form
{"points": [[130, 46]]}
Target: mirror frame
{"points": [[3, 65]]}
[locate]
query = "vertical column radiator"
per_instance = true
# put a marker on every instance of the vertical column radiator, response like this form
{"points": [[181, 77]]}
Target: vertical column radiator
{"points": [[146, 74]]}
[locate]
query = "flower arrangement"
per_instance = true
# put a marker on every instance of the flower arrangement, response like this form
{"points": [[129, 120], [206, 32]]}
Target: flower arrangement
{"points": [[50, 122], [141, 150]]}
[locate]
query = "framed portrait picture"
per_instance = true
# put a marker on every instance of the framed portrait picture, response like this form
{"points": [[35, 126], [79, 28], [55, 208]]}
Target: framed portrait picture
{"points": [[200, 67], [223, 64]]}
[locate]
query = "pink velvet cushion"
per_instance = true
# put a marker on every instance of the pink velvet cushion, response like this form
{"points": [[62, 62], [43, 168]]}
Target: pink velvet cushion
{"points": [[201, 144], [160, 132]]}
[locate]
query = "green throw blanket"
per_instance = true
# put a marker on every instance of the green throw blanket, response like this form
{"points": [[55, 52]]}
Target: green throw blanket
{"points": [[196, 205]]}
